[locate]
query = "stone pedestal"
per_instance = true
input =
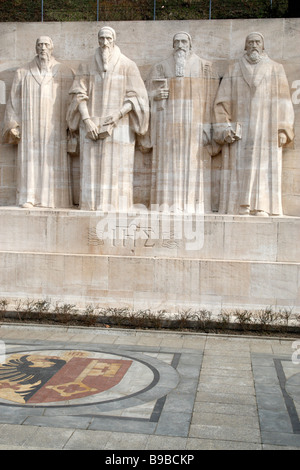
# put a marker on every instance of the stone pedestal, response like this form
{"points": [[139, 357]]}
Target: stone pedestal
{"points": [[150, 260]]}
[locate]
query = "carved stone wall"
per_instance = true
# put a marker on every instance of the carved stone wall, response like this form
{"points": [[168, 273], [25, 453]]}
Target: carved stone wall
{"points": [[213, 260], [220, 41]]}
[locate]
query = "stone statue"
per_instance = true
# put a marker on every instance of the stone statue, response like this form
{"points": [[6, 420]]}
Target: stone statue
{"points": [[254, 119], [35, 119], [181, 91], [110, 106]]}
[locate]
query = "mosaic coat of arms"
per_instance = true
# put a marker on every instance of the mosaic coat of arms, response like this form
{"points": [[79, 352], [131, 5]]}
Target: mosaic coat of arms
{"points": [[33, 378]]}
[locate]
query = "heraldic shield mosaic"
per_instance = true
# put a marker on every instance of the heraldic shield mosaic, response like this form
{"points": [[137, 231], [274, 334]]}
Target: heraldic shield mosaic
{"points": [[58, 376], [98, 386]]}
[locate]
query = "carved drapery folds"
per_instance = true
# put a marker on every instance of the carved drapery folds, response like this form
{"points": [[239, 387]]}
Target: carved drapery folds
{"points": [[254, 119], [183, 115]]}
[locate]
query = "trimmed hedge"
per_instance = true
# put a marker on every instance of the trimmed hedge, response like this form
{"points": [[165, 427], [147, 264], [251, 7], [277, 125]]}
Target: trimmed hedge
{"points": [[130, 10]]}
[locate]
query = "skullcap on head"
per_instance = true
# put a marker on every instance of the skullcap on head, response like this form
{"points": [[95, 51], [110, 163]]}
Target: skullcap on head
{"points": [[111, 30], [183, 32], [257, 34]]}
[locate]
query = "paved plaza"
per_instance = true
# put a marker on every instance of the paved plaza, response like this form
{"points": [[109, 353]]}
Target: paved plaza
{"points": [[67, 388]]}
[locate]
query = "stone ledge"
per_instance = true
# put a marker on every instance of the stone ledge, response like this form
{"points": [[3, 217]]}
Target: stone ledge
{"points": [[148, 234]]}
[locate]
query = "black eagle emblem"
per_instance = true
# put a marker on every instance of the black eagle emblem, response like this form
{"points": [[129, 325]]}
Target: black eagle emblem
{"points": [[24, 371]]}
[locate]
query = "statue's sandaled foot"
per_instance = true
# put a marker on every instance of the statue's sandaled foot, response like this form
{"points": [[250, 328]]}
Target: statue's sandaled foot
{"points": [[27, 205], [261, 214]]}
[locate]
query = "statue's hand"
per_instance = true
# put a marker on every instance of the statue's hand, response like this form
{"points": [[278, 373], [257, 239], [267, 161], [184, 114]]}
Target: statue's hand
{"points": [[229, 136], [82, 97], [15, 135], [282, 139], [91, 129], [161, 94], [113, 119]]}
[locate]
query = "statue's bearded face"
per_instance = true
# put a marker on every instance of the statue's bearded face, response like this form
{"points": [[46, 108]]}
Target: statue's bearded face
{"points": [[254, 47], [181, 43], [106, 41], [44, 48]]}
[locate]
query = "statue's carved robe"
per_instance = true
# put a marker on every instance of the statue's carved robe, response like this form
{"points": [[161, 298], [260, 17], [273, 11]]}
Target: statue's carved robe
{"points": [[107, 165], [258, 98], [180, 130], [37, 105]]}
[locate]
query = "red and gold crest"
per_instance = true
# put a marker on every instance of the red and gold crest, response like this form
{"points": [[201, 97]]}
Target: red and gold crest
{"points": [[37, 378]]}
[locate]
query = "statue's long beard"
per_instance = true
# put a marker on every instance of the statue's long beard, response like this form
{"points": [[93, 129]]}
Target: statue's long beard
{"points": [[254, 57], [106, 55], [45, 63], [180, 61]]}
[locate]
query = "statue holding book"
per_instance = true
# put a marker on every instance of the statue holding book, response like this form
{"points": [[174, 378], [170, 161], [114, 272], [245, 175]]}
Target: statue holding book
{"points": [[254, 120], [181, 92], [109, 107]]}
